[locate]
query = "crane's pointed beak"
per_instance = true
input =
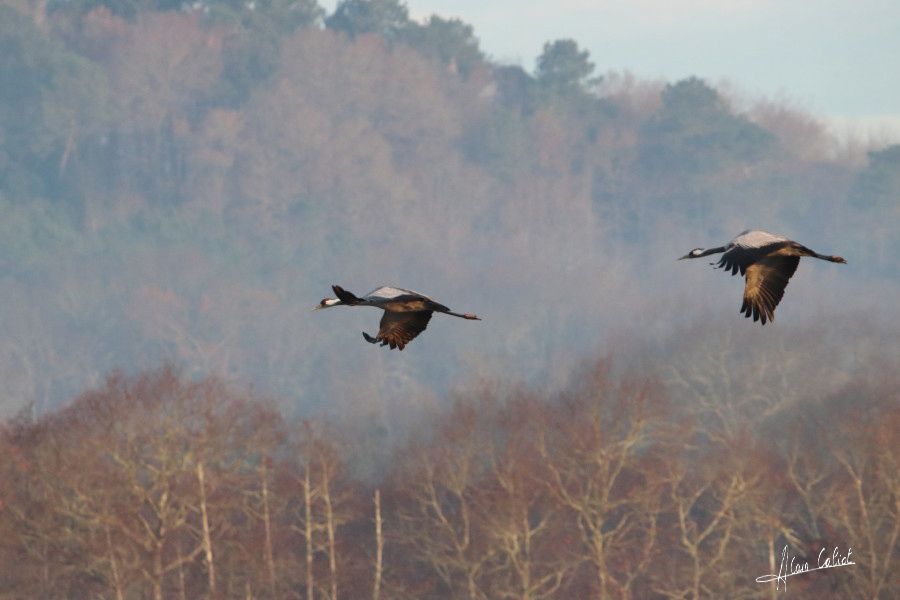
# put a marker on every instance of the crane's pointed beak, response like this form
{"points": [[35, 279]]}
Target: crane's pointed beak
{"points": [[316, 307], [685, 256]]}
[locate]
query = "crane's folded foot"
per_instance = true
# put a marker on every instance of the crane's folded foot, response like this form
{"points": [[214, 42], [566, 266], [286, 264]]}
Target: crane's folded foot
{"points": [[369, 338]]}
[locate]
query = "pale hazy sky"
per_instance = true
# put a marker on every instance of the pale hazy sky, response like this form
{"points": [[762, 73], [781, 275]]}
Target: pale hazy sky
{"points": [[833, 58]]}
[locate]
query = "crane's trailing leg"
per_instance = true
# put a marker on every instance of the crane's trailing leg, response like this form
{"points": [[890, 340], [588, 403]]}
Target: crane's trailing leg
{"points": [[468, 316]]}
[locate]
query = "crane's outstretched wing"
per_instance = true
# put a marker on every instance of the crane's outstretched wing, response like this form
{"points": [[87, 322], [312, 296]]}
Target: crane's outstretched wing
{"points": [[739, 257], [765, 283], [399, 328]]}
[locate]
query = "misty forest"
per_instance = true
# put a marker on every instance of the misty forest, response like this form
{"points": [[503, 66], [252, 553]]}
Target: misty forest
{"points": [[180, 183]]}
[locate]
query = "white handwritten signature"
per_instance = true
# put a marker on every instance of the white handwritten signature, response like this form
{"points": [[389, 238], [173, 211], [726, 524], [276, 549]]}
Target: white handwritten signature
{"points": [[795, 567]]}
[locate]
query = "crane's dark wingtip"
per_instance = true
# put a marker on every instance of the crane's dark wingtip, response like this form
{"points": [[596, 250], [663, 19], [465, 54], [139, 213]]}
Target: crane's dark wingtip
{"points": [[345, 296]]}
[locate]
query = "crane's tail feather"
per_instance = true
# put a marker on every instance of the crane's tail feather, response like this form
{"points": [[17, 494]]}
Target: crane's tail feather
{"points": [[345, 296]]}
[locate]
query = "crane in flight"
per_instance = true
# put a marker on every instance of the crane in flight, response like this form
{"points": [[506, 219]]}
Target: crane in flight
{"points": [[406, 313], [767, 262]]}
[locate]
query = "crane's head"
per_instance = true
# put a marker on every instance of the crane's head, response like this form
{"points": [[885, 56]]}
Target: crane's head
{"points": [[327, 303], [695, 253]]}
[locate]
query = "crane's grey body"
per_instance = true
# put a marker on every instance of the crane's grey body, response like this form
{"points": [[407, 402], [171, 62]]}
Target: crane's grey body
{"points": [[755, 238], [400, 300], [767, 261], [406, 313]]}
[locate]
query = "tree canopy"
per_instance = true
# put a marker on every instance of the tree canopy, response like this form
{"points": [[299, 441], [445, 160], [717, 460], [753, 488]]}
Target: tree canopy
{"points": [[175, 182], [387, 18], [563, 68]]}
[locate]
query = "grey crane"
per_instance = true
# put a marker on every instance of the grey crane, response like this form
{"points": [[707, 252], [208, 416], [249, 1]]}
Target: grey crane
{"points": [[767, 261], [406, 313]]}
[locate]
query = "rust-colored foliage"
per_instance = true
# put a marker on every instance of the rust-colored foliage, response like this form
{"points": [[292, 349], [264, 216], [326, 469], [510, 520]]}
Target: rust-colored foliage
{"points": [[160, 486]]}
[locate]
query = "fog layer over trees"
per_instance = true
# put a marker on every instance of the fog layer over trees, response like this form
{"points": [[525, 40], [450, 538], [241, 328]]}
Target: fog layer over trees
{"points": [[181, 184], [184, 184]]}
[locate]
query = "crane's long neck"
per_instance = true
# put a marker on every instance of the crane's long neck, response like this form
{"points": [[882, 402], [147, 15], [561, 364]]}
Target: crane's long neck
{"points": [[712, 251]]}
